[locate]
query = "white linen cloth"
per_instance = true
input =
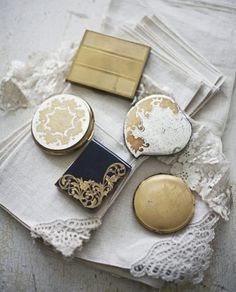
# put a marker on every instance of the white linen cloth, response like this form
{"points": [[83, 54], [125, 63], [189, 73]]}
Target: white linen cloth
{"points": [[38, 201], [166, 44], [55, 217], [107, 249], [209, 27]]}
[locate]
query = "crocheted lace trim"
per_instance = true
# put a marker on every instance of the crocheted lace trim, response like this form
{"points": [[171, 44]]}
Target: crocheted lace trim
{"points": [[29, 83], [66, 236], [203, 166], [183, 258]]}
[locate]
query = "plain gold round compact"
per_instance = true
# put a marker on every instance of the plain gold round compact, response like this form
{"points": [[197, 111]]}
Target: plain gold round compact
{"points": [[164, 203], [62, 124]]}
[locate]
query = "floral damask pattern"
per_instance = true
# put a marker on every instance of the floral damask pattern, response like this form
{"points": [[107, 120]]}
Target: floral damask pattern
{"points": [[60, 122]]}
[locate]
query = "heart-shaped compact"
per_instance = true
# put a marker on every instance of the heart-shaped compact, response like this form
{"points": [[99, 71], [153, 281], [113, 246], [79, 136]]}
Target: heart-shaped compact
{"points": [[156, 126]]}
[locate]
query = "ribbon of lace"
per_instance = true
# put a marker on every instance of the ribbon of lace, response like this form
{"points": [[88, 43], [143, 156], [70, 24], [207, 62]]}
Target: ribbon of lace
{"points": [[66, 235], [29, 83], [203, 166], [183, 258]]}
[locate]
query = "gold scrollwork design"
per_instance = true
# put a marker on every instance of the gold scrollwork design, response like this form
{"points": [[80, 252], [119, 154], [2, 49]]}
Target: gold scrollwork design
{"points": [[89, 192]]}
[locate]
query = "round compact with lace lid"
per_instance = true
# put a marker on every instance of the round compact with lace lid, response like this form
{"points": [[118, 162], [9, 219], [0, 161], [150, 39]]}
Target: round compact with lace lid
{"points": [[62, 123], [164, 203], [156, 125]]}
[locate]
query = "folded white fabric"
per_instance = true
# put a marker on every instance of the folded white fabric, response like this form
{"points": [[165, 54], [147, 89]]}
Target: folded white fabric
{"points": [[120, 241], [55, 218], [60, 222], [179, 59], [209, 28], [37, 204], [156, 33]]}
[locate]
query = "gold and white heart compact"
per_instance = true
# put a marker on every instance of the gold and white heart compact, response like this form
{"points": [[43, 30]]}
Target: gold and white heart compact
{"points": [[156, 126]]}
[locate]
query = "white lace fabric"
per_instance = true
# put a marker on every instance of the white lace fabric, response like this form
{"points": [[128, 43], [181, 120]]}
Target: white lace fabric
{"points": [[201, 164], [43, 75], [183, 258], [66, 235]]}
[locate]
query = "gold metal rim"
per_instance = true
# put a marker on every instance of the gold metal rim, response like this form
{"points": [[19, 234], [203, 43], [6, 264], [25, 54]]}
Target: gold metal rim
{"points": [[87, 136], [167, 230]]}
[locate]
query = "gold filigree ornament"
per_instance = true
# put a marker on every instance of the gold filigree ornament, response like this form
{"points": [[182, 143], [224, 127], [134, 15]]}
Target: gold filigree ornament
{"points": [[89, 192], [62, 123], [156, 126]]}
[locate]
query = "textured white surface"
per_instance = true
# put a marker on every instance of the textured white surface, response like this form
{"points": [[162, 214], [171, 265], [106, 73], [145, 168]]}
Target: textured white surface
{"points": [[31, 25], [163, 130]]}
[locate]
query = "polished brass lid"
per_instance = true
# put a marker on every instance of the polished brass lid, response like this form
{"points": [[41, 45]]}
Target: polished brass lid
{"points": [[62, 123], [108, 63], [164, 203]]}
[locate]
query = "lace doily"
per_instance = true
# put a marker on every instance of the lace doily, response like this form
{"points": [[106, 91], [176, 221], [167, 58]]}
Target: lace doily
{"points": [[28, 83], [203, 166], [66, 236], [183, 258]]}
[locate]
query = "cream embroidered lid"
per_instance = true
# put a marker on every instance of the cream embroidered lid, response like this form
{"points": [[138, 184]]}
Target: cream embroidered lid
{"points": [[164, 203], [62, 123]]}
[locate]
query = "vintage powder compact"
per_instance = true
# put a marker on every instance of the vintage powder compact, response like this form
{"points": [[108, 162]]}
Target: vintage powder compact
{"points": [[62, 124], [108, 63], [164, 203], [156, 126], [94, 175]]}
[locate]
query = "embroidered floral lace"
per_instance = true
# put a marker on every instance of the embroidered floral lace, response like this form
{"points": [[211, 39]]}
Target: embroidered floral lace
{"points": [[183, 258], [66, 236], [203, 166], [28, 83]]}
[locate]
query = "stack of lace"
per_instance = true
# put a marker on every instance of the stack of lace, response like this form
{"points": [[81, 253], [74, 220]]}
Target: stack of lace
{"points": [[120, 244]]}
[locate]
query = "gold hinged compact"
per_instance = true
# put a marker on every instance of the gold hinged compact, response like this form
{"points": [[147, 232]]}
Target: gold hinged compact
{"points": [[164, 203], [108, 63], [62, 123]]}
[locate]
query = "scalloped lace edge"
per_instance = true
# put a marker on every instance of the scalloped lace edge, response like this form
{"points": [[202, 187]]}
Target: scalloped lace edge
{"points": [[204, 167], [66, 236], [184, 258]]}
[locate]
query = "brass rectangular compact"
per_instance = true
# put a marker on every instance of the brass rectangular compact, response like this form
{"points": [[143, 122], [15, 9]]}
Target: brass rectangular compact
{"points": [[108, 63]]}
